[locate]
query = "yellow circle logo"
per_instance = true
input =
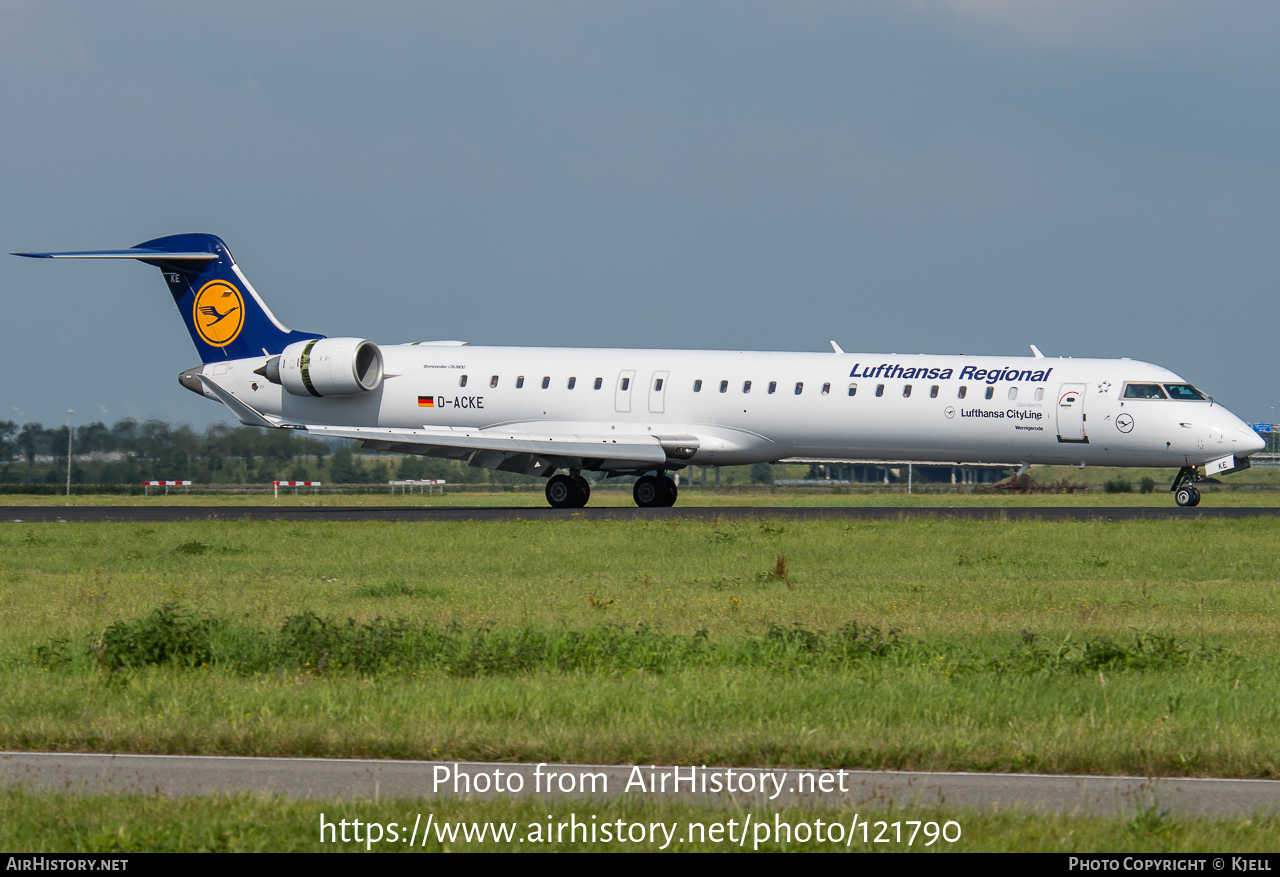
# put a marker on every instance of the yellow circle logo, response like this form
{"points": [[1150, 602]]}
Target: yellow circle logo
{"points": [[218, 313]]}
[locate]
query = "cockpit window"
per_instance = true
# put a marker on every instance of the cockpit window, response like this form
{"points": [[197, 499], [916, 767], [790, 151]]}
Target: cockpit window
{"points": [[1185, 392], [1143, 391]]}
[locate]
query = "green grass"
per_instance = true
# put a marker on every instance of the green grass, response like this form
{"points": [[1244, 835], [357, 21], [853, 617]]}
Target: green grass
{"points": [[1138, 647], [55, 822], [1168, 724]]}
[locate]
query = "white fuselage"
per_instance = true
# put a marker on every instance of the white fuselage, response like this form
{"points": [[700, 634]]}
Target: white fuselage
{"points": [[848, 406]]}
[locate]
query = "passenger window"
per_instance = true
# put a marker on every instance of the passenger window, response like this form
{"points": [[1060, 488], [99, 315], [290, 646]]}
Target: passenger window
{"points": [[493, 381], [724, 386], [799, 387], [462, 381], [1039, 393], [599, 383], [546, 382], [1013, 393], [991, 392], [906, 391], [964, 391], [933, 392], [853, 389], [1184, 392], [879, 390], [773, 387], [1143, 391], [746, 386], [657, 385], [826, 389], [520, 382], [626, 384], [572, 383], [697, 386]]}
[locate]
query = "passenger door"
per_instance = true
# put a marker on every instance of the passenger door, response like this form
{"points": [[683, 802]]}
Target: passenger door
{"points": [[658, 392], [622, 395], [1071, 418]]}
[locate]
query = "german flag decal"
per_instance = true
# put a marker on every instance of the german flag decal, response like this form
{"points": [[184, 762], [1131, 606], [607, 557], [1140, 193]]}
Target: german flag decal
{"points": [[426, 401]]}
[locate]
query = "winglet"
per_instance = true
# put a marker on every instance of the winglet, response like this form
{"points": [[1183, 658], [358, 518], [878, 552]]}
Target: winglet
{"points": [[1035, 351], [836, 348]]}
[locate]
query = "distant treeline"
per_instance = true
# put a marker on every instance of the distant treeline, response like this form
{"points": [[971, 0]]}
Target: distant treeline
{"points": [[128, 452]]}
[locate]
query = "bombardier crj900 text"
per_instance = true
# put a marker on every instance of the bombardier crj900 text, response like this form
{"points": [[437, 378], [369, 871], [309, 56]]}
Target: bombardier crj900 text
{"points": [[557, 412]]}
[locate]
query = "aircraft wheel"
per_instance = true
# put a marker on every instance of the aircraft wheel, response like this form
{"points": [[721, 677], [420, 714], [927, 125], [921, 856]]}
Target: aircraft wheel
{"points": [[648, 492], [1195, 496], [669, 491], [1186, 496], [562, 492], [583, 491]]}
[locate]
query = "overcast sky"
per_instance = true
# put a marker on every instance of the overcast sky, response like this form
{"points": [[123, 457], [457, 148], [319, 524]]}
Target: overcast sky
{"points": [[1097, 178]]}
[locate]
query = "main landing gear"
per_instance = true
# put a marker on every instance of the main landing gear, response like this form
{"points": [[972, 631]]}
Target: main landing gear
{"points": [[1184, 489], [568, 491], [655, 492], [572, 491]]}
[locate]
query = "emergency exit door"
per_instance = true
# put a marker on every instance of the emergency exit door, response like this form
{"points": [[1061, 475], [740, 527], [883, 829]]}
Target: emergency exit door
{"points": [[622, 394], [658, 392]]}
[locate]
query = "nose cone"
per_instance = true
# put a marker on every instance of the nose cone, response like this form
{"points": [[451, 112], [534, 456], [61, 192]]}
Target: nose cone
{"points": [[1244, 441], [1250, 442], [1238, 435]]}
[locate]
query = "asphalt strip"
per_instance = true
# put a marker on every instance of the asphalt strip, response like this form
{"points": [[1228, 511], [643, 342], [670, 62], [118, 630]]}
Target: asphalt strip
{"points": [[163, 514], [358, 779]]}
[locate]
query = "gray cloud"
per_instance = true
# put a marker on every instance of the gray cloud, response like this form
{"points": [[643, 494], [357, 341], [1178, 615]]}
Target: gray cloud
{"points": [[1097, 178]]}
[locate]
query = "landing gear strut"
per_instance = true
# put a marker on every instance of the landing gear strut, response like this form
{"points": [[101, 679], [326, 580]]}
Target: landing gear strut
{"points": [[568, 491], [655, 491], [1184, 489]]}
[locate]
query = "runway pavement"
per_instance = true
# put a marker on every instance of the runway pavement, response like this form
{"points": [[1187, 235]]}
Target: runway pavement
{"points": [[140, 514], [337, 779]]}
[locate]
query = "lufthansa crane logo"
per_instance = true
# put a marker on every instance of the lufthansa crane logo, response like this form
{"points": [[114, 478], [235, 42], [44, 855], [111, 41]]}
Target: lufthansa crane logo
{"points": [[218, 313]]}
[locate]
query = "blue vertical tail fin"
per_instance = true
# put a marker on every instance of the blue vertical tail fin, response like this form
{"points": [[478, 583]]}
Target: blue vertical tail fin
{"points": [[223, 313]]}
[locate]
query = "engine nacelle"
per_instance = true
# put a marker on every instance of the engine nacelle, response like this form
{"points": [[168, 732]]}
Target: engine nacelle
{"points": [[327, 367]]}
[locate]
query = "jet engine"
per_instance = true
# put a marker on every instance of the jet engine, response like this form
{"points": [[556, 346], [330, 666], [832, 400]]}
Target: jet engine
{"points": [[326, 367]]}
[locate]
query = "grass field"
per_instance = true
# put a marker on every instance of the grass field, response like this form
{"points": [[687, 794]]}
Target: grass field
{"points": [[1149, 648], [1143, 647], [68, 823]]}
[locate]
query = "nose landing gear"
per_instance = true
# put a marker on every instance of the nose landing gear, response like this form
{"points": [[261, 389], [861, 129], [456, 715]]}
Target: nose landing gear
{"points": [[1184, 490]]}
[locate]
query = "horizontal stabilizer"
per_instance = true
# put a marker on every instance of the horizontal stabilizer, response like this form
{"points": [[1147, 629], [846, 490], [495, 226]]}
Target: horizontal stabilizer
{"points": [[222, 311], [135, 253]]}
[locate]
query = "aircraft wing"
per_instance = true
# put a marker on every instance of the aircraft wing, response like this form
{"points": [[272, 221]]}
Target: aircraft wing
{"points": [[244, 412], [639, 448], [494, 448]]}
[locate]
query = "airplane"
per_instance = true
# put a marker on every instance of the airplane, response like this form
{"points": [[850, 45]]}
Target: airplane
{"points": [[559, 412]]}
